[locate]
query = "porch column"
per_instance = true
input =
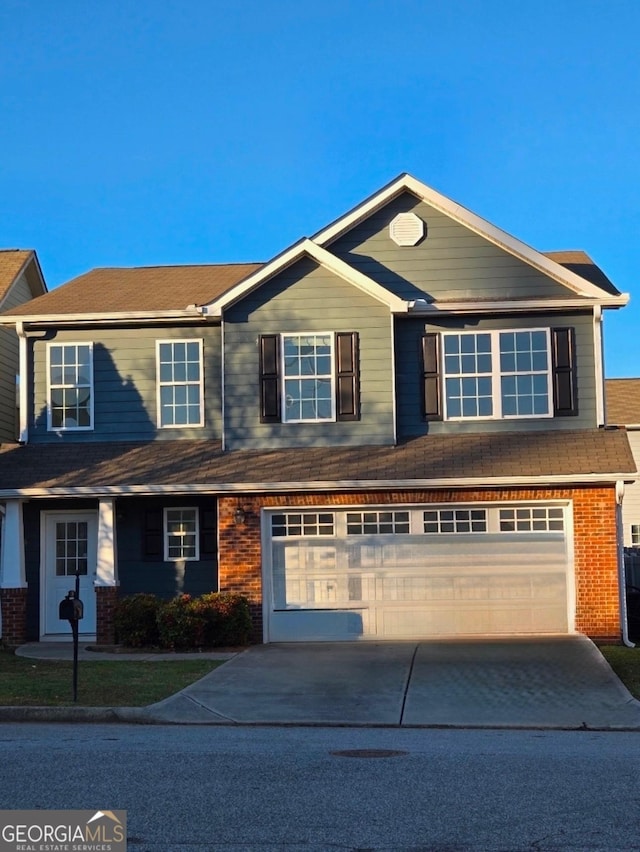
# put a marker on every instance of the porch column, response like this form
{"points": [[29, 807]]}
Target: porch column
{"points": [[106, 582], [13, 583]]}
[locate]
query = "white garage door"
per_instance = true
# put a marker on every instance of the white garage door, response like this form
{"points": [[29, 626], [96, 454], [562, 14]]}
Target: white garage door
{"points": [[403, 573]]}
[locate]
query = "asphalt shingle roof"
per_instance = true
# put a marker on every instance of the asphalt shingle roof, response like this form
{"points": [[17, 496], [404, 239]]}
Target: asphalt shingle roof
{"points": [[623, 401], [11, 262], [149, 288], [581, 264], [571, 453]]}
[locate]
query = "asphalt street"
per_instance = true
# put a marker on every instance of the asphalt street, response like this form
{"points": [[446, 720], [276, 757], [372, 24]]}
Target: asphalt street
{"points": [[191, 789]]}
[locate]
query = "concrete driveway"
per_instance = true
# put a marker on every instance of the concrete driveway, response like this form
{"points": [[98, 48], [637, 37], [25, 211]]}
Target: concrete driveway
{"points": [[555, 682]]}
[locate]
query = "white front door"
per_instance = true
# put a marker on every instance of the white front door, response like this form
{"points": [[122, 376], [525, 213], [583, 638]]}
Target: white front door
{"points": [[69, 544]]}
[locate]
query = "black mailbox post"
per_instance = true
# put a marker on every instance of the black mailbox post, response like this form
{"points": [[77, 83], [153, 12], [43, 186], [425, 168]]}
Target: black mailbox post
{"points": [[71, 609]]}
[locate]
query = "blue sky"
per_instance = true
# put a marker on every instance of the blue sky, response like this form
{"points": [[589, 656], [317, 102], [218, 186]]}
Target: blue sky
{"points": [[200, 131]]}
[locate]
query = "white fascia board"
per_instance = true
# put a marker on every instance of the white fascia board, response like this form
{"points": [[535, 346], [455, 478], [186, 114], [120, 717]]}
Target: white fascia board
{"points": [[419, 308], [305, 248], [115, 318], [218, 488], [473, 222]]}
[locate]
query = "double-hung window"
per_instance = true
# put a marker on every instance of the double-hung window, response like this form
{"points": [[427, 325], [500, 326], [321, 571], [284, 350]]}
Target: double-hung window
{"points": [[179, 372], [181, 534], [308, 377], [70, 391], [497, 374]]}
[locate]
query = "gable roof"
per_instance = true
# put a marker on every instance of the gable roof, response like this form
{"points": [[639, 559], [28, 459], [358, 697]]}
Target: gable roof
{"points": [[15, 261], [489, 460], [302, 249], [560, 272], [136, 290], [623, 401]]}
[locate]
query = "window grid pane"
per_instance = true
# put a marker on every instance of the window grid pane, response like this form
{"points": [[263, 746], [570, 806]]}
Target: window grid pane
{"points": [[378, 523], [70, 381], [497, 374], [180, 383], [306, 523], [455, 520], [635, 535], [72, 548], [308, 377], [181, 531], [530, 519]]}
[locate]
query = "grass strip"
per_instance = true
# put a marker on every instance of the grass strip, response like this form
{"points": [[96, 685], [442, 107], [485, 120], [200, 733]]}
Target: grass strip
{"points": [[108, 683], [626, 664]]}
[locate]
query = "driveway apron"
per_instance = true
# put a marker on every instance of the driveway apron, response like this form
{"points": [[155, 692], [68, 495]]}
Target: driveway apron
{"points": [[555, 682]]}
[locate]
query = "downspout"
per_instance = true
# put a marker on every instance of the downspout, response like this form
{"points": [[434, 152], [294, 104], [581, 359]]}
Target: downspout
{"points": [[23, 382], [598, 347], [622, 584]]}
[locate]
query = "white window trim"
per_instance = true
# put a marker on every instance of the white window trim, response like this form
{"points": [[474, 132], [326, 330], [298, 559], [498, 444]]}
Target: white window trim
{"points": [[635, 535], [160, 384], [496, 376], [50, 426], [332, 376], [165, 533]]}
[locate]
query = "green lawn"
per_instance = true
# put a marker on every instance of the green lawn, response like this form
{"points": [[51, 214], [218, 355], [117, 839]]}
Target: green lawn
{"points": [[626, 664], [26, 682]]}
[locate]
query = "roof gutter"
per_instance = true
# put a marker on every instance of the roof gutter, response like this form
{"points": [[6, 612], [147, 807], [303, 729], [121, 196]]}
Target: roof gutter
{"points": [[318, 486], [421, 307], [112, 318]]}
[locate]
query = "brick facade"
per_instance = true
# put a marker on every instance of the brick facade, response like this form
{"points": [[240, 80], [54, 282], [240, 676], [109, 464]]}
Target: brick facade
{"points": [[14, 616], [597, 611], [106, 598]]}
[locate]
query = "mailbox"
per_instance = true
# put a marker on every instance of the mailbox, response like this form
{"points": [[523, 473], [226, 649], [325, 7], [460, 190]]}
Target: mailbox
{"points": [[71, 608]]}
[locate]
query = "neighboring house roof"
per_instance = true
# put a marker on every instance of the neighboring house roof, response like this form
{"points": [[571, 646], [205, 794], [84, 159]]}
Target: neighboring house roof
{"points": [[429, 461], [138, 289], [12, 263], [623, 401]]}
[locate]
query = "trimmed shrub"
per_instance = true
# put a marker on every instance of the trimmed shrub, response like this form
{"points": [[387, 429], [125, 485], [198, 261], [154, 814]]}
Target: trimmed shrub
{"points": [[227, 618], [135, 620], [180, 624]]}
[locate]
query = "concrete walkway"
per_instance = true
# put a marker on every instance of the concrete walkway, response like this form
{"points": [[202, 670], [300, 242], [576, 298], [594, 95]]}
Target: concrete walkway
{"points": [[557, 682]]}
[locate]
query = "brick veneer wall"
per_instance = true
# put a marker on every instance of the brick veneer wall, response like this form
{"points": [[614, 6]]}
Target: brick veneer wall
{"points": [[106, 598], [14, 616], [594, 534]]}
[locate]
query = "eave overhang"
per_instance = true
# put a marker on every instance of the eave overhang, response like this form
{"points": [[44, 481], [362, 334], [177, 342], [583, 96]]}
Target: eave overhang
{"points": [[221, 488]]}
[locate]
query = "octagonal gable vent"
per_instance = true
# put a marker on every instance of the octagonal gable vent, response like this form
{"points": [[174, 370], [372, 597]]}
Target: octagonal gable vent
{"points": [[407, 229]]}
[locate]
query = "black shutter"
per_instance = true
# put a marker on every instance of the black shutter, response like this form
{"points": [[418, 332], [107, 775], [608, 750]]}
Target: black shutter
{"points": [[347, 376], [152, 537], [565, 397], [269, 378], [208, 537], [431, 398]]}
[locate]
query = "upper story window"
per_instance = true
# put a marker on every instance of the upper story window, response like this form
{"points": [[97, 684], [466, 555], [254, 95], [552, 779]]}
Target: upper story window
{"points": [[70, 392], [179, 372], [309, 377], [496, 374], [635, 535]]}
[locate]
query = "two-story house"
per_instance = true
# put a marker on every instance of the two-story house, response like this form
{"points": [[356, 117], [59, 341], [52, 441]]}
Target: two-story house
{"points": [[394, 429]]}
